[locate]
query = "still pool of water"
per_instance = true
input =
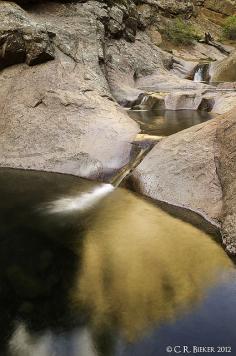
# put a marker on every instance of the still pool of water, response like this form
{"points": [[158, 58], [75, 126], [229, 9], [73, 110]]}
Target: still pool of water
{"points": [[86, 270], [168, 122]]}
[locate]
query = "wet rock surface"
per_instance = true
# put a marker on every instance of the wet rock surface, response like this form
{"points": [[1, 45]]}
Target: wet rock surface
{"points": [[215, 100]]}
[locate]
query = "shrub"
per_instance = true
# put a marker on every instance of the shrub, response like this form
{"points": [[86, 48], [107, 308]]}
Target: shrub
{"points": [[229, 28], [181, 32]]}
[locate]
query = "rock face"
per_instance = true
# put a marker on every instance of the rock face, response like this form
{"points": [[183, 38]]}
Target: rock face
{"points": [[209, 99], [187, 159], [61, 107], [153, 9], [224, 101], [224, 70], [127, 67], [226, 163], [63, 118], [226, 7], [174, 7], [183, 69], [200, 165], [183, 101], [130, 74], [21, 39]]}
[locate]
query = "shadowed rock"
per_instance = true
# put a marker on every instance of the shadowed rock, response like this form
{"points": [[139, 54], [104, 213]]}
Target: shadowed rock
{"points": [[21, 39]]}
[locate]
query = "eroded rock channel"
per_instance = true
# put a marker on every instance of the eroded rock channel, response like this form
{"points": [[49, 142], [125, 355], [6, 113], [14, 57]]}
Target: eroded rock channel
{"points": [[117, 156]]}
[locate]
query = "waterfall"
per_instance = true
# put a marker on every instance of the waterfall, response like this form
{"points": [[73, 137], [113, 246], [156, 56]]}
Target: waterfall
{"points": [[202, 73], [144, 99], [198, 76], [89, 199]]}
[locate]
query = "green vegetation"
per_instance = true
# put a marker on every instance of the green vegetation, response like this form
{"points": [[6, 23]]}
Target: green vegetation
{"points": [[181, 32], [229, 28]]}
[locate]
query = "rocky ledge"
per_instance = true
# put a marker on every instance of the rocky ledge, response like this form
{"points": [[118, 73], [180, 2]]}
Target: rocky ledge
{"points": [[61, 107], [200, 165]]}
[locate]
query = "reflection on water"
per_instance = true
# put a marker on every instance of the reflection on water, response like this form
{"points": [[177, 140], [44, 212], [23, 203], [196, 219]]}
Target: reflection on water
{"points": [[212, 324], [144, 266], [73, 343], [168, 122], [86, 282]]}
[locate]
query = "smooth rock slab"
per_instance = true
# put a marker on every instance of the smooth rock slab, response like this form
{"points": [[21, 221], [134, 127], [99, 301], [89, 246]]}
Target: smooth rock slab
{"points": [[59, 116], [183, 101], [181, 170], [196, 169], [226, 166], [224, 70]]}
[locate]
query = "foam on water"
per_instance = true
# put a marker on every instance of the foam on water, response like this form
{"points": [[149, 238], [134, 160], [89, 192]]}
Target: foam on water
{"points": [[198, 76], [80, 202]]}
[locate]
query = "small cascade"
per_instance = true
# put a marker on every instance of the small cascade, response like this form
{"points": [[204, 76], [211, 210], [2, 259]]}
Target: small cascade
{"points": [[202, 73], [88, 200], [141, 146], [198, 76], [144, 99], [141, 102], [81, 202], [150, 101]]}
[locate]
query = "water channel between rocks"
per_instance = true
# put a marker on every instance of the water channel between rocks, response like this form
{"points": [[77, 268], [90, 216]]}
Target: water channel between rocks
{"points": [[168, 122], [90, 270]]}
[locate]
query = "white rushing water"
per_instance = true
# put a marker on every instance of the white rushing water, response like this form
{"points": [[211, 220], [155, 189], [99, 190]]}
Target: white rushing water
{"points": [[80, 202], [144, 100], [198, 76]]}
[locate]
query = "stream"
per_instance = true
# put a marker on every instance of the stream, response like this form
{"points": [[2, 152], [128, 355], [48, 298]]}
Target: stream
{"points": [[168, 122], [95, 268], [89, 269], [64, 239]]}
